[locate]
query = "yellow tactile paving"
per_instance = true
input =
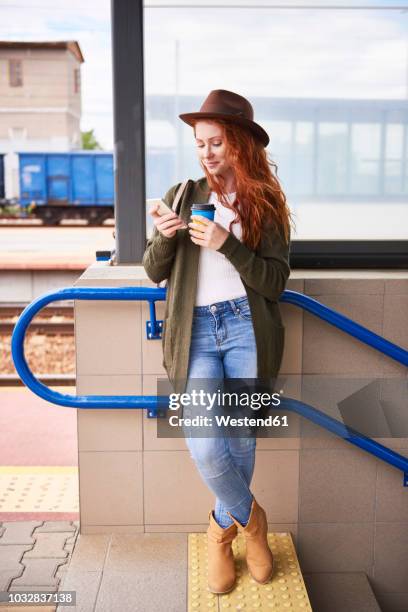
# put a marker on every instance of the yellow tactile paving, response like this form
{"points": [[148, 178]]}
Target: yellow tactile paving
{"points": [[285, 591], [38, 489]]}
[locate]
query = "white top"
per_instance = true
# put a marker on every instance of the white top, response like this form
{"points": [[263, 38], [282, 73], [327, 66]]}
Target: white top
{"points": [[218, 280]]}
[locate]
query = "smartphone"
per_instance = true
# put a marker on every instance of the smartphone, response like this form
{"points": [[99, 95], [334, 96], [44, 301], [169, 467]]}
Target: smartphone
{"points": [[163, 208]]}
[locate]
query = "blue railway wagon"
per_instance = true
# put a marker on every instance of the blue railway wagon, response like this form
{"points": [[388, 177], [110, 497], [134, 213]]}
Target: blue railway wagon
{"points": [[80, 184], [76, 184]]}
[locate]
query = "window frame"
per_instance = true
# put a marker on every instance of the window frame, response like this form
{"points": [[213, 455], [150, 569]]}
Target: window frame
{"points": [[15, 75], [77, 80]]}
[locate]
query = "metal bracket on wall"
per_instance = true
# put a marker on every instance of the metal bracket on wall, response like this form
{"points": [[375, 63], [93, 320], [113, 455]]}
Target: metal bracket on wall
{"points": [[157, 413], [154, 330]]}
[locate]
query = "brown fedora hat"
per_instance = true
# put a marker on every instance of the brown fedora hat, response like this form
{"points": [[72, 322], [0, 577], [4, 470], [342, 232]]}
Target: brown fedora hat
{"points": [[228, 105]]}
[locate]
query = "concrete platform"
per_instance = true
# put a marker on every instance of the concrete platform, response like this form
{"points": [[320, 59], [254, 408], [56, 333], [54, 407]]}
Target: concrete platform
{"points": [[38, 481], [144, 572], [52, 247], [148, 572]]}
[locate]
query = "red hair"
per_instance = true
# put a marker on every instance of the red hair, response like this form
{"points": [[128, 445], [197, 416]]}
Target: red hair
{"points": [[259, 195]]}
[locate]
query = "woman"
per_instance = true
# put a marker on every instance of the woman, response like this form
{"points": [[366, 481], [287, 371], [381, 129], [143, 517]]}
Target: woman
{"points": [[222, 316]]}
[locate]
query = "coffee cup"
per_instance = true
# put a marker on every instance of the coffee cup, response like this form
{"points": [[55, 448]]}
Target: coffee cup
{"points": [[204, 210]]}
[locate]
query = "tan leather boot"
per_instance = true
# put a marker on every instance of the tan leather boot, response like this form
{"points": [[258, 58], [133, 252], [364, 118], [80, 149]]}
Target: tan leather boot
{"points": [[221, 566], [258, 554]]}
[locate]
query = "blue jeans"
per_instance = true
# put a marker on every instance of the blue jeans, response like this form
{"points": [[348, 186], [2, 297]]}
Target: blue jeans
{"points": [[223, 346]]}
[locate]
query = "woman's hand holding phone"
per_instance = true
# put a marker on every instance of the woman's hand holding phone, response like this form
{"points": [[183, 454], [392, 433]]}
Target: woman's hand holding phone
{"points": [[168, 223]]}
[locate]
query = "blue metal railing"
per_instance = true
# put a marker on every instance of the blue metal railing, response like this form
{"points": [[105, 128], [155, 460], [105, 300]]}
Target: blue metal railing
{"points": [[153, 403], [347, 325], [349, 434]]}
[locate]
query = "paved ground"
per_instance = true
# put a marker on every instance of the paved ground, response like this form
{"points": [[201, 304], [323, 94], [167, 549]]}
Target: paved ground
{"points": [[38, 465], [148, 572], [35, 432], [59, 246], [38, 457], [34, 555]]}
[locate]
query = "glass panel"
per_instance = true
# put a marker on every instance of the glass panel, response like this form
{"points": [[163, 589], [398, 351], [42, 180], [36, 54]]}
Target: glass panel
{"points": [[303, 181], [332, 165], [365, 159], [394, 147], [280, 147], [332, 96]]}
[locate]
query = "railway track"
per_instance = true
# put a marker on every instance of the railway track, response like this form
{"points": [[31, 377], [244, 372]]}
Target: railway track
{"points": [[13, 223], [18, 222], [48, 328], [53, 320], [13, 380]]}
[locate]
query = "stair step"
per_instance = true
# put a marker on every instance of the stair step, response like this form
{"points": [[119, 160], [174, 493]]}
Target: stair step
{"points": [[340, 592]]}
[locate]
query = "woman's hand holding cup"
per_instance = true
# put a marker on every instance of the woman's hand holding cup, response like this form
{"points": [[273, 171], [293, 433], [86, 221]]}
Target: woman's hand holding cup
{"points": [[206, 233], [203, 230], [166, 224]]}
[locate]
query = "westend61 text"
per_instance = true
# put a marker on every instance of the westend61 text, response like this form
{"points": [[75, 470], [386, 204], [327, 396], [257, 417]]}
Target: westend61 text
{"points": [[201, 398], [228, 421]]}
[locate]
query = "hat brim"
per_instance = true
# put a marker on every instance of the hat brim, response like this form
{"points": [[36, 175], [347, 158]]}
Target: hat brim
{"points": [[256, 129]]}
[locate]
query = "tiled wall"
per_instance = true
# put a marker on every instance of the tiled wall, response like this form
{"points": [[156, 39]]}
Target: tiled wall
{"points": [[353, 508], [347, 510]]}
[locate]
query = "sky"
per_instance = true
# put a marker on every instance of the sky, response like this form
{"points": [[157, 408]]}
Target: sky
{"points": [[298, 53]]}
